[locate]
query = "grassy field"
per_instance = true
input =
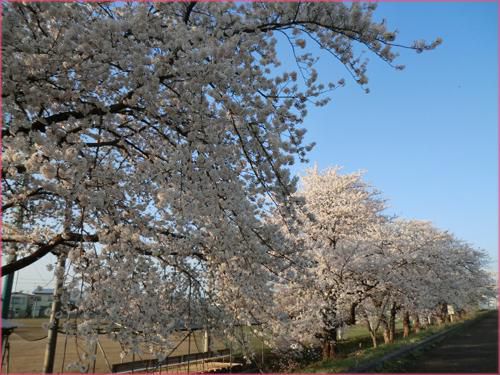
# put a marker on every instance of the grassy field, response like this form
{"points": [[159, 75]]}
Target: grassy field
{"points": [[356, 350], [360, 330]]}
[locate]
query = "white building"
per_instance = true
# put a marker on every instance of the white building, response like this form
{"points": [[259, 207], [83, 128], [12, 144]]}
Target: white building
{"points": [[20, 305], [42, 302]]}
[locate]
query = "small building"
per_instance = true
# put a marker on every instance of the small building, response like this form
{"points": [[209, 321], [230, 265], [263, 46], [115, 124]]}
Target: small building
{"points": [[20, 305], [488, 303], [42, 302]]}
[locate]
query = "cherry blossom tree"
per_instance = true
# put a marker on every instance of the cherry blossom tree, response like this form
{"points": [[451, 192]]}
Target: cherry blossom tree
{"points": [[338, 226], [422, 270], [146, 142], [401, 266]]}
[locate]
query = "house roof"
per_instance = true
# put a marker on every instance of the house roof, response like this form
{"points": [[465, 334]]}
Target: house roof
{"points": [[43, 291]]}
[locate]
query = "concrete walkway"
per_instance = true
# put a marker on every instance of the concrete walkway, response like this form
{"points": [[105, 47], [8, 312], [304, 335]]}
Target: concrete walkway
{"points": [[471, 350]]}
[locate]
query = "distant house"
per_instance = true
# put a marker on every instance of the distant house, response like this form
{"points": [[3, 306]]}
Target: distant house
{"points": [[20, 305], [489, 303], [42, 302]]}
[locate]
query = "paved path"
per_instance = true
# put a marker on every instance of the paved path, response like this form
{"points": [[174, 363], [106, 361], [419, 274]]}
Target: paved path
{"points": [[470, 350]]}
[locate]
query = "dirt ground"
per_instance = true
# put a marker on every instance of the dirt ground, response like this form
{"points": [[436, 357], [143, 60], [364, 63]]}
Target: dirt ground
{"points": [[27, 356], [473, 349]]}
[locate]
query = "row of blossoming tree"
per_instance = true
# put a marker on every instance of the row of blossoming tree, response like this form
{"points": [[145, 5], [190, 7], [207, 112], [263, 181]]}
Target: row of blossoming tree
{"points": [[362, 265], [148, 147]]}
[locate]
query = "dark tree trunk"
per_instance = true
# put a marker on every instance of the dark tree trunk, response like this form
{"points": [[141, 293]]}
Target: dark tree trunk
{"points": [[328, 336], [392, 323], [329, 349], [406, 324], [443, 312], [374, 339], [416, 325], [386, 331], [352, 314], [460, 314], [326, 349]]}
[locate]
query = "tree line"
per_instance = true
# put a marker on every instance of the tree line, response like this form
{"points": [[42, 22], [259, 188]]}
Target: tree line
{"points": [[364, 266]]}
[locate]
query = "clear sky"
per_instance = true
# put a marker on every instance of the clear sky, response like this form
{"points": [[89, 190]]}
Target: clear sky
{"points": [[427, 135]]}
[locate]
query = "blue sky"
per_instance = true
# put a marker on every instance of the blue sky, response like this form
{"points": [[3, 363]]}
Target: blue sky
{"points": [[427, 135]]}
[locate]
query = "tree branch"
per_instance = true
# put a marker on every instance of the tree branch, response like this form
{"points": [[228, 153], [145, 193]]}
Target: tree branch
{"points": [[23, 197], [188, 11], [43, 250], [41, 124]]}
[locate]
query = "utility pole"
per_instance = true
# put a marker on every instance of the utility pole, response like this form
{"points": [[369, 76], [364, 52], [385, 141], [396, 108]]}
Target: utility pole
{"points": [[50, 350], [9, 279], [206, 340], [7, 288]]}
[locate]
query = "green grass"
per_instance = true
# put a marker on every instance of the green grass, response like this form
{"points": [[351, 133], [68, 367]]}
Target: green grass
{"points": [[356, 350], [360, 330], [401, 364]]}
